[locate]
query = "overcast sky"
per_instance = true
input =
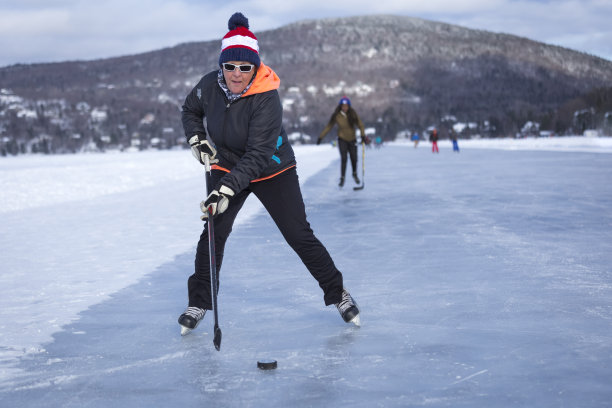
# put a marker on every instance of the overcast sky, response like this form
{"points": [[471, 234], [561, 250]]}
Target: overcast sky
{"points": [[58, 30]]}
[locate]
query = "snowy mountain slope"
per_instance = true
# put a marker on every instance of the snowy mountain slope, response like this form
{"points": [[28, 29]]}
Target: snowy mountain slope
{"points": [[401, 72]]}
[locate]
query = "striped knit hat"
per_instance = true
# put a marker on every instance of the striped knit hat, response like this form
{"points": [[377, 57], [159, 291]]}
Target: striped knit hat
{"points": [[239, 44]]}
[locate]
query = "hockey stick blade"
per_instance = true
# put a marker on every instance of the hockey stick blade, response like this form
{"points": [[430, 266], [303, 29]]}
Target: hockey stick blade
{"points": [[362, 167], [217, 338]]}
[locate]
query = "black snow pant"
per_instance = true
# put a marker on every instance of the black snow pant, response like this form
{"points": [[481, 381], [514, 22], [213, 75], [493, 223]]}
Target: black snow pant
{"points": [[350, 148], [282, 198]]}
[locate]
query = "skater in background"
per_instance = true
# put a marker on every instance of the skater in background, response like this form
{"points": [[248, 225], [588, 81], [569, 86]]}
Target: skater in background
{"points": [[378, 141], [347, 120], [433, 138], [453, 136], [415, 138], [248, 147]]}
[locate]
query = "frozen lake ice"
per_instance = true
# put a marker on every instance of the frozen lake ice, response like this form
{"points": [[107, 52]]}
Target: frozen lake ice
{"points": [[484, 279]]}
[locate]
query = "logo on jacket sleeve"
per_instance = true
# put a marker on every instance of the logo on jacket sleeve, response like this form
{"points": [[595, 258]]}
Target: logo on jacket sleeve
{"points": [[279, 142]]}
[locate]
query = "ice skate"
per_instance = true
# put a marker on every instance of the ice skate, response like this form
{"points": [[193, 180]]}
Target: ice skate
{"points": [[190, 319], [341, 182], [356, 178], [348, 308]]}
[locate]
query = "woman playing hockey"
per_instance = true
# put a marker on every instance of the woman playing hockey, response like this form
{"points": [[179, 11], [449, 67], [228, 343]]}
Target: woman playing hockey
{"points": [[250, 152]]}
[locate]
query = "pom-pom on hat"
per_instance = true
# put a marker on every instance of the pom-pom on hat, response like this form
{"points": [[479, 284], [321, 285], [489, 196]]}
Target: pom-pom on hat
{"points": [[345, 100], [239, 44]]}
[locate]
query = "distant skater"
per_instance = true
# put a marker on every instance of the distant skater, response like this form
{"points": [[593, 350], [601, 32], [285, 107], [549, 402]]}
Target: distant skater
{"points": [[453, 136], [415, 138], [378, 142], [346, 118], [433, 138]]}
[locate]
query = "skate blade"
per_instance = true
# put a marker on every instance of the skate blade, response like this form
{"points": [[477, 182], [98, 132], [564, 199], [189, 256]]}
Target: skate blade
{"points": [[185, 330], [356, 321]]}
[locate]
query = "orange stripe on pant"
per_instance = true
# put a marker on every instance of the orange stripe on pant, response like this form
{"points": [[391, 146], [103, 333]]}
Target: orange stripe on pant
{"points": [[215, 167]]}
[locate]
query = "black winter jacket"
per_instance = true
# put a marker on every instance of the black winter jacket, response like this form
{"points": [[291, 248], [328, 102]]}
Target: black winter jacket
{"points": [[248, 133]]}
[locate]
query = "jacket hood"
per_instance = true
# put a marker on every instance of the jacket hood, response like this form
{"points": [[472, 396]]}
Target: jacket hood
{"points": [[266, 80]]}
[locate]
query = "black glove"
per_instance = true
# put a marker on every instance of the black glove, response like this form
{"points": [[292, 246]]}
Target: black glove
{"points": [[200, 147], [216, 202], [318, 141]]}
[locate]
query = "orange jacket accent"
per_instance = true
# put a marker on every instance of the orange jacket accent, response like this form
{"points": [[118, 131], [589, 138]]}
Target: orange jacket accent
{"points": [[266, 80]]}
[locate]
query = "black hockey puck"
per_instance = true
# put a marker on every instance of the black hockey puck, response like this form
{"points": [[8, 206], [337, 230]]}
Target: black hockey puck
{"points": [[266, 364]]}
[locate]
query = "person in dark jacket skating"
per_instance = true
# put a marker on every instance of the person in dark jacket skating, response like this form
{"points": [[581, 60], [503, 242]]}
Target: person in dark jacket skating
{"points": [[248, 146], [346, 118]]}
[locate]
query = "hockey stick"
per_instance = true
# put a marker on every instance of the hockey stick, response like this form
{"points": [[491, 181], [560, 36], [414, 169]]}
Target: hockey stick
{"points": [[211, 251], [362, 167]]}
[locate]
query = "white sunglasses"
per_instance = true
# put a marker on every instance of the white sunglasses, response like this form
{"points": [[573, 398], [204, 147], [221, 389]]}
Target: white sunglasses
{"points": [[243, 68]]}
